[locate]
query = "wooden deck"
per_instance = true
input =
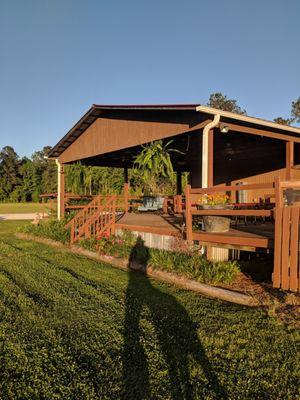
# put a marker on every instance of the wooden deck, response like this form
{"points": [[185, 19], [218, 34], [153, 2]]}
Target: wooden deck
{"points": [[152, 223], [246, 237]]}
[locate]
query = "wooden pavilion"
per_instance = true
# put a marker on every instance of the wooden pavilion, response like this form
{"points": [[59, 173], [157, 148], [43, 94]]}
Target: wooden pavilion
{"points": [[253, 160]]}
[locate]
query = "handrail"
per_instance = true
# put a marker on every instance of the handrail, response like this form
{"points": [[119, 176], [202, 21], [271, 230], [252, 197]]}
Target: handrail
{"points": [[232, 188], [100, 210], [101, 220], [241, 213], [86, 211]]}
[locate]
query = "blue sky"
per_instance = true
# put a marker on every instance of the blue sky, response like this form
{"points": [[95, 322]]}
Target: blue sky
{"points": [[58, 57]]}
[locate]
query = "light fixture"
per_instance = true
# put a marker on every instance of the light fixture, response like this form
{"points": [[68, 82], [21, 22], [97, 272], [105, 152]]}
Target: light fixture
{"points": [[224, 128]]}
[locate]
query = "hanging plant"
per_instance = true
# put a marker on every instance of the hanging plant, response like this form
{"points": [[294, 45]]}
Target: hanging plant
{"points": [[154, 167]]}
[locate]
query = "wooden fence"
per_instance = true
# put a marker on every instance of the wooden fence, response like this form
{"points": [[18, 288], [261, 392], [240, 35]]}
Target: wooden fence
{"points": [[286, 249]]}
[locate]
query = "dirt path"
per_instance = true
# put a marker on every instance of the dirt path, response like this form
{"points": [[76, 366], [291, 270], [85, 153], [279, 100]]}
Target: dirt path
{"points": [[19, 216]]}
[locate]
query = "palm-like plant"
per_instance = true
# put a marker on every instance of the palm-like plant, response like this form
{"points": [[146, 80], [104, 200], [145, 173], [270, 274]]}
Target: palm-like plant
{"points": [[154, 166]]}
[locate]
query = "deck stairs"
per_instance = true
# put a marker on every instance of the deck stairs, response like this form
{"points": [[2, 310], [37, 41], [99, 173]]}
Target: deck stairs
{"points": [[97, 218]]}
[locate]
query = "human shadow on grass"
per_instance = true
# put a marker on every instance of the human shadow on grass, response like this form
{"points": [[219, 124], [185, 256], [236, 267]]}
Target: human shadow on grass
{"points": [[176, 334]]}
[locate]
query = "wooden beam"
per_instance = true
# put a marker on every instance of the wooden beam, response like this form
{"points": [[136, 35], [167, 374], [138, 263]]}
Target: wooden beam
{"points": [[289, 163], [235, 213], [126, 197], [239, 239], [188, 214], [260, 132], [233, 188], [276, 276]]}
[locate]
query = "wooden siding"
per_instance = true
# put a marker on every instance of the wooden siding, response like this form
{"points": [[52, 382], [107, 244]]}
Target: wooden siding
{"points": [[107, 135]]}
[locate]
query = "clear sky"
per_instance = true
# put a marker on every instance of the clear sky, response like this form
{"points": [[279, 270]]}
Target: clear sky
{"points": [[57, 57]]}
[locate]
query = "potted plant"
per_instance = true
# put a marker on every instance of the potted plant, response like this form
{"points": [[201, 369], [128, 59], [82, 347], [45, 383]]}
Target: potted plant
{"points": [[213, 223]]}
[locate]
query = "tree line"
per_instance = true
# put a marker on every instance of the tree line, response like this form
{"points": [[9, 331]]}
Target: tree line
{"points": [[24, 179]]}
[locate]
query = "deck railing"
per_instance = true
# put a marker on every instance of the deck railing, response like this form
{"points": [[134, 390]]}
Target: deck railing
{"points": [[99, 214], [94, 223], [192, 196], [284, 214]]}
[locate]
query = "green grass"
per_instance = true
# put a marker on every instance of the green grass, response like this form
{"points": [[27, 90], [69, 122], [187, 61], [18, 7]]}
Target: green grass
{"points": [[14, 208], [73, 328]]}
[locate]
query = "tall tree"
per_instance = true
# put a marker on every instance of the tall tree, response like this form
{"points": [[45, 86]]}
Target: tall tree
{"points": [[296, 110], [30, 187], [283, 121], [47, 170], [9, 170], [222, 102], [295, 114]]}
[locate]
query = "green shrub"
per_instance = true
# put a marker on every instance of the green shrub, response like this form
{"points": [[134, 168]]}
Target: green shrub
{"points": [[126, 245], [51, 229], [117, 246], [190, 264], [194, 266]]}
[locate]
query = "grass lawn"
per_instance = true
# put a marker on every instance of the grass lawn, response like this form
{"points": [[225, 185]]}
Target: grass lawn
{"points": [[72, 328], [14, 208]]}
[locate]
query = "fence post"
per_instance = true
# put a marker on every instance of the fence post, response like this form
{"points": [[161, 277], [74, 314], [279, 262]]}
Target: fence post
{"points": [[72, 232], [165, 205], [188, 214], [113, 225], [179, 205], [276, 277], [126, 194]]}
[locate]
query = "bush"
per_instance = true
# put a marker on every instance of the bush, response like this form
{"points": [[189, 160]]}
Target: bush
{"points": [[126, 245], [194, 266], [51, 229], [190, 264]]}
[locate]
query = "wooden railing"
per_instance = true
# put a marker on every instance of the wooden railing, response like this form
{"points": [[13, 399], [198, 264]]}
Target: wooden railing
{"points": [[173, 204], [99, 215], [191, 209], [86, 212], [286, 273], [95, 220]]}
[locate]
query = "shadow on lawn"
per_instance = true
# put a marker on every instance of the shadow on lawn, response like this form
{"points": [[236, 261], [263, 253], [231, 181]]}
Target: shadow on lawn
{"points": [[176, 333]]}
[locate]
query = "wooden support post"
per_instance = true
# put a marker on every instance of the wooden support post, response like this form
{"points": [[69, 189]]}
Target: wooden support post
{"points": [[188, 214], [179, 203], [126, 197], [289, 159], [276, 276], [179, 182], [125, 175], [113, 226], [60, 190]]}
